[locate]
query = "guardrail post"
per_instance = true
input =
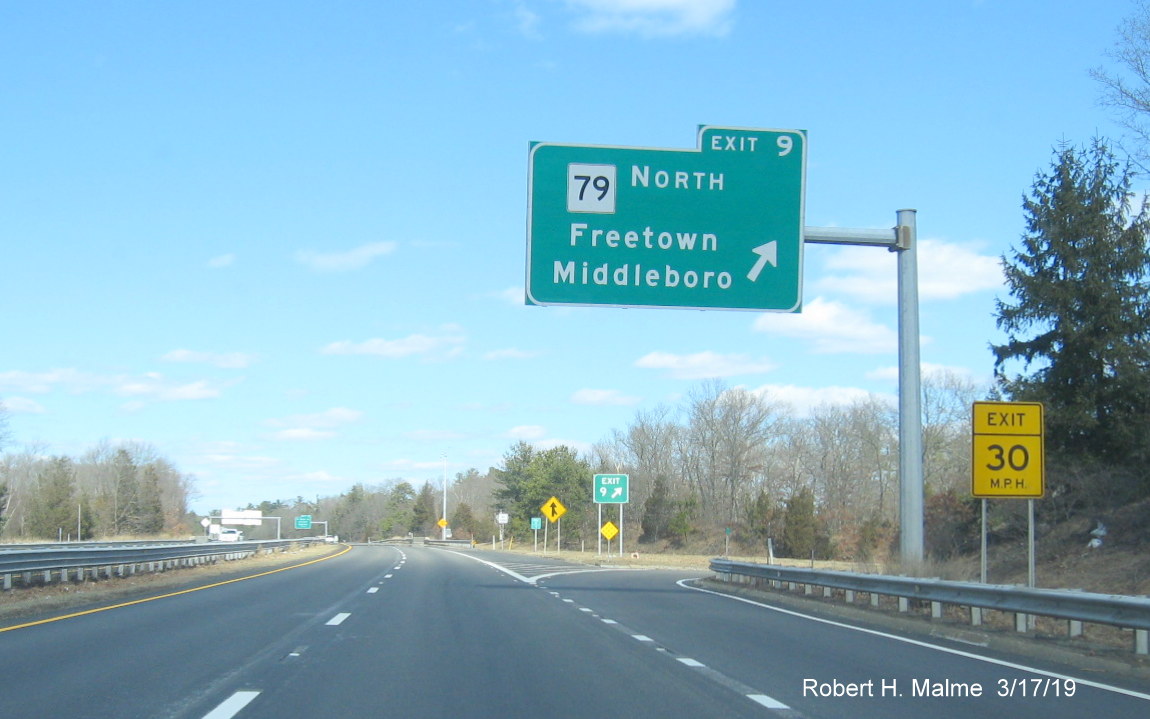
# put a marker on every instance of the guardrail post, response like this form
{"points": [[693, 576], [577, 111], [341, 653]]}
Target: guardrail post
{"points": [[976, 616], [1141, 641], [7, 582], [849, 596], [874, 599], [1020, 622], [903, 605], [1073, 628], [936, 610]]}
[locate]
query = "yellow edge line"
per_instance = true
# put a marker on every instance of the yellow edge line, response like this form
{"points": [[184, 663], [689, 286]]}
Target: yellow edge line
{"points": [[347, 548]]}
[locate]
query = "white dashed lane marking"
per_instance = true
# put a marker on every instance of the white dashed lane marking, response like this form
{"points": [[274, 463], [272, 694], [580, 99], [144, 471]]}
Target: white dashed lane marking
{"points": [[231, 706]]}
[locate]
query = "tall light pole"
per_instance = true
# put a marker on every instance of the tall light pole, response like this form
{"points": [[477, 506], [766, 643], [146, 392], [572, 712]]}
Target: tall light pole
{"points": [[443, 529]]}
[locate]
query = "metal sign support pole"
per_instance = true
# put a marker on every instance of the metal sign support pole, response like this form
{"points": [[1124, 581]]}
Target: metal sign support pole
{"points": [[1030, 574], [903, 239], [982, 573], [620, 530]]}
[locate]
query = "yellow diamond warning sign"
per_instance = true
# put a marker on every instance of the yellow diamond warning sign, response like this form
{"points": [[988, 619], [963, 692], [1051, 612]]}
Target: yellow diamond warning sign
{"points": [[553, 509]]}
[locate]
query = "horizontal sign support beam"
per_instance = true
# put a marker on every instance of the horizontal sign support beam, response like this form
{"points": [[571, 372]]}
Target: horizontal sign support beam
{"points": [[850, 236]]}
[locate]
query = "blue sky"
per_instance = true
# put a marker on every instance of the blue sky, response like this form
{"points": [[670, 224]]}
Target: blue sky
{"points": [[284, 242]]}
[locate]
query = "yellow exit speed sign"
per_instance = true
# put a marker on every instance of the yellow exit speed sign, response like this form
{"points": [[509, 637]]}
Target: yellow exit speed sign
{"points": [[1007, 450]]}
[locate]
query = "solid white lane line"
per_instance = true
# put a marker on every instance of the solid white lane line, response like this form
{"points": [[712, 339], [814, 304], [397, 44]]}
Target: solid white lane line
{"points": [[915, 642], [338, 619], [767, 701], [231, 706]]}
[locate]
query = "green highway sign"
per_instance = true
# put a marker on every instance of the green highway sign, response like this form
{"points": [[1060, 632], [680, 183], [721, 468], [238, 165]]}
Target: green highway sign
{"points": [[611, 489], [716, 227], [303, 521]]}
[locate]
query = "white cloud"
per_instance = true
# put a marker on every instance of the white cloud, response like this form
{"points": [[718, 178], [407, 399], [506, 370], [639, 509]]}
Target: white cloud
{"points": [[151, 385], [527, 22], [704, 365], [333, 417], [511, 295], [301, 434], [526, 432], [434, 435], [219, 455], [44, 382], [21, 405], [654, 18], [353, 259], [805, 399], [417, 344], [410, 465], [222, 261], [154, 385], [227, 360], [832, 328], [946, 271], [579, 446], [322, 476], [312, 427], [926, 368], [604, 397]]}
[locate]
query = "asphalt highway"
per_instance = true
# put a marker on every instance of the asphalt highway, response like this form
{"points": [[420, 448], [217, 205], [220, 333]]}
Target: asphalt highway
{"points": [[384, 631]]}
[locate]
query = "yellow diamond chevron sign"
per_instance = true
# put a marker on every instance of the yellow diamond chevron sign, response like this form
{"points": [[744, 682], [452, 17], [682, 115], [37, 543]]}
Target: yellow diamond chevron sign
{"points": [[609, 530], [719, 226], [553, 509]]}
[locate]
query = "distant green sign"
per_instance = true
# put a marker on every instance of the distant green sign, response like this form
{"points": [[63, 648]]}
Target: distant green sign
{"points": [[611, 489], [717, 227], [303, 521]]}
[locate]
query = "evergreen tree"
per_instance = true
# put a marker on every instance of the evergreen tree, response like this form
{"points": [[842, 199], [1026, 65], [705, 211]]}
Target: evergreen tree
{"points": [[1080, 315], [463, 522], [126, 492], [52, 509], [150, 519], [760, 518], [397, 513], [515, 493], [658, 511], [799, 528], [424, 514]]}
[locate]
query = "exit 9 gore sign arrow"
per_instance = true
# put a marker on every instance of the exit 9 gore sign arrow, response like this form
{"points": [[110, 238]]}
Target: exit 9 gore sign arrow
{"points": [[716, 227]]}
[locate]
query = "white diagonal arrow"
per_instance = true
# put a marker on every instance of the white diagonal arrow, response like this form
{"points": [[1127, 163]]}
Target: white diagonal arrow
{"points": [[767, 253]]}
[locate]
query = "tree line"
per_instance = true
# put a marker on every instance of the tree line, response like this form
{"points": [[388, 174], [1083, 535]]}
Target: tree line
{"points": [[109, 491]]}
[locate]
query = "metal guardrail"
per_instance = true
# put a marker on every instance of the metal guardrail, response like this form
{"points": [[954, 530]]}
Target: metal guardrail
{"points": [[43, 564], [447, 542], [43, 546], [1024, 602]]}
